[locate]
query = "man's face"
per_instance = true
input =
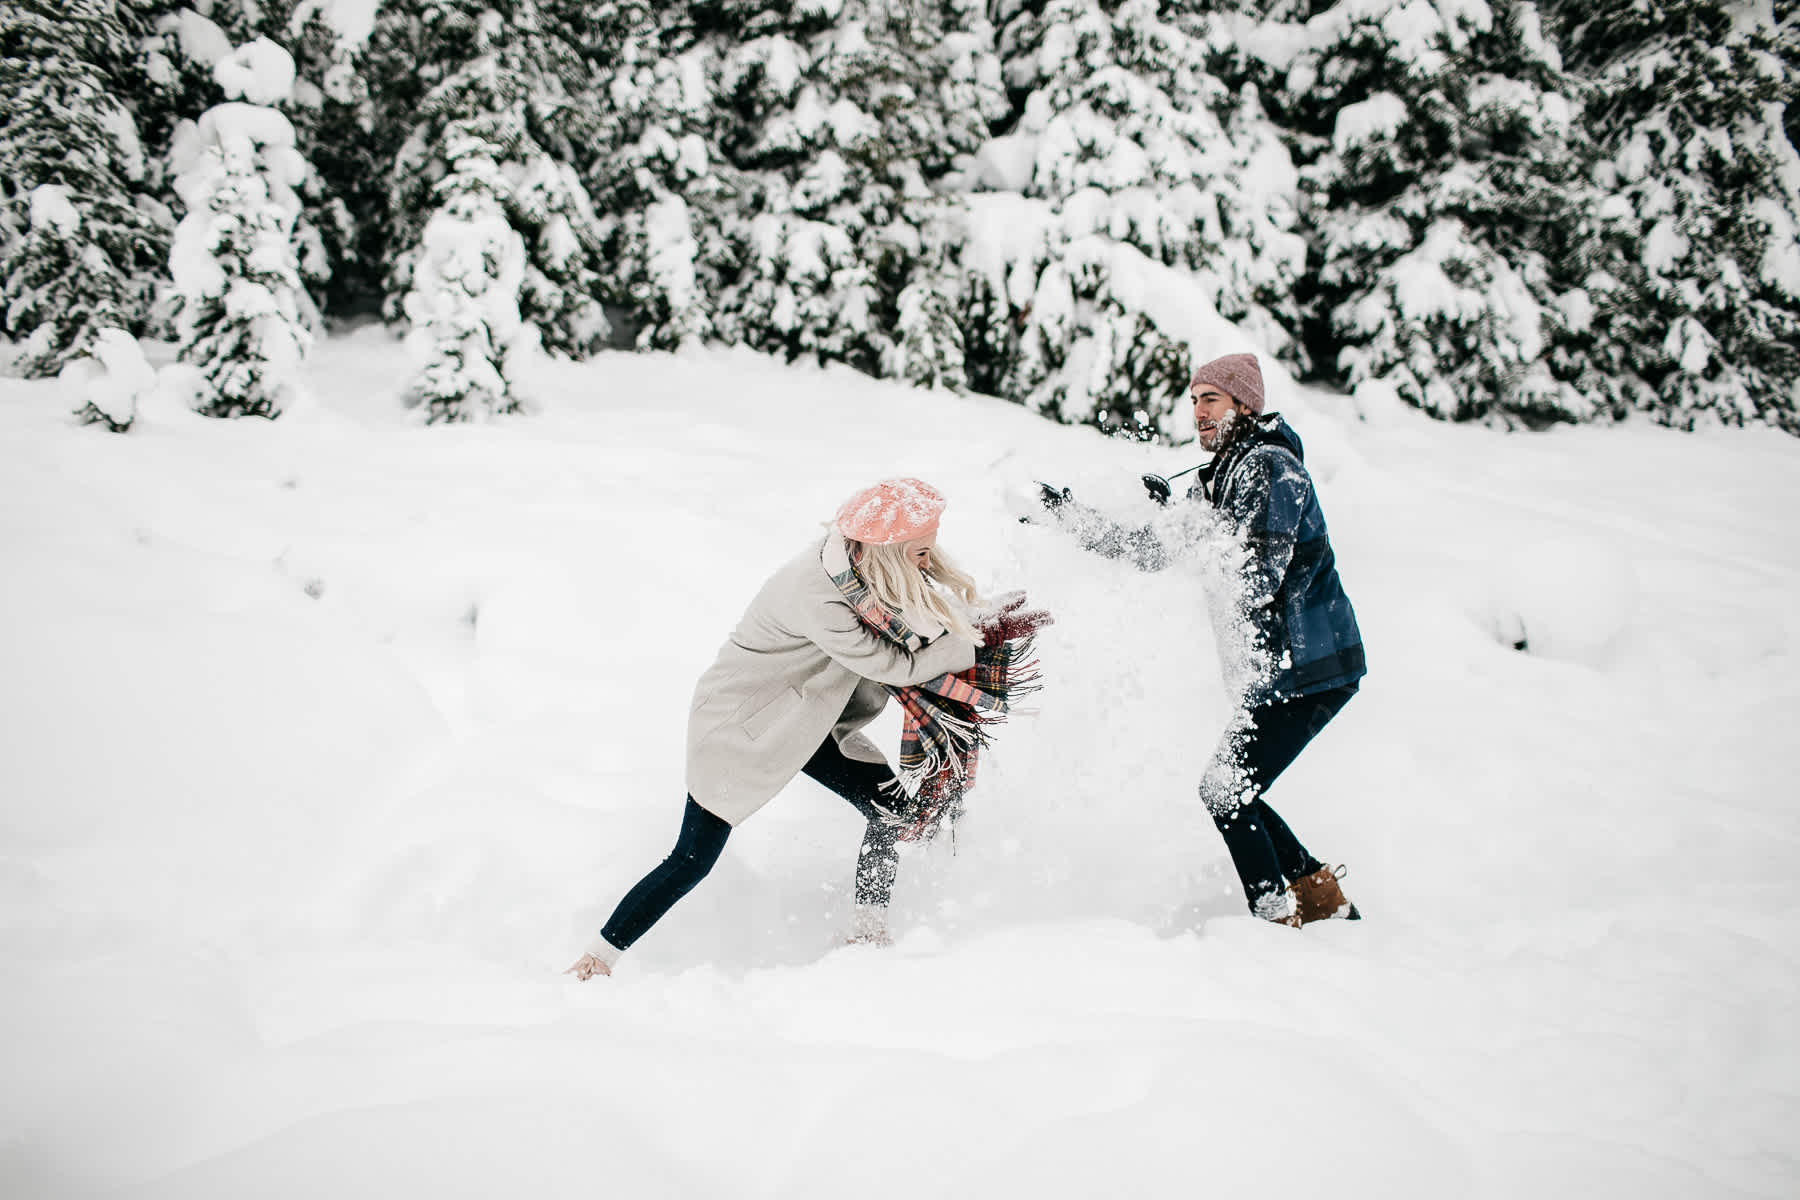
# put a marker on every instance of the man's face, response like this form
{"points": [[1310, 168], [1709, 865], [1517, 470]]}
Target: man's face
{"points": [[1214, 411]]}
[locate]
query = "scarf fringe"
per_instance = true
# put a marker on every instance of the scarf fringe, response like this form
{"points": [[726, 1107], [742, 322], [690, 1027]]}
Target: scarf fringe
{"points": [[944, 720], [949, 743]]}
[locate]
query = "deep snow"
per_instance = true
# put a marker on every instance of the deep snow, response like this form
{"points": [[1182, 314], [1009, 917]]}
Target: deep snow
{"points": [[330, 741]]}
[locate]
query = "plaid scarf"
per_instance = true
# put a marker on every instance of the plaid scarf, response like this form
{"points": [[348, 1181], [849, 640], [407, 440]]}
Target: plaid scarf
{"points": [[944, 721]]}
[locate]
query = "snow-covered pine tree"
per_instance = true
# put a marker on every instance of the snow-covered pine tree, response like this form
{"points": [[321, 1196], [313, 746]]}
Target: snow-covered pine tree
{"points": [[467, 335], [244, 21], [1082, 349], [953, 329], [169, 76], [112, 379], [1443, 167], [1126, 122], [780, 158], [1786, 37], [241, 315], [520, 85], [927, 346], [1121, 146], [1687, 261], [344, 194], [79, 251], [412, 48], [323, 227], [655, 180]]}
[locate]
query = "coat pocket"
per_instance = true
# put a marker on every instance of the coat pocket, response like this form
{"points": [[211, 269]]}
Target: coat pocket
{"points": [[763, 711]]}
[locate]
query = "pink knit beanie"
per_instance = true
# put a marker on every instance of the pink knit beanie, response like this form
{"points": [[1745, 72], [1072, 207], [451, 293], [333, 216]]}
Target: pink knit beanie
{"points": [[894, 510], [1237, 375]]}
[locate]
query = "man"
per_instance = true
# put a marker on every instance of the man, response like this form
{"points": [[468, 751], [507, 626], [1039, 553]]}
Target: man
{"points": [[1300, 636]]}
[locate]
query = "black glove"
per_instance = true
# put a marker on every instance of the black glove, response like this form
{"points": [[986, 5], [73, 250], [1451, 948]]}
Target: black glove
{"points": [[1052, 497], [1158, 487]]}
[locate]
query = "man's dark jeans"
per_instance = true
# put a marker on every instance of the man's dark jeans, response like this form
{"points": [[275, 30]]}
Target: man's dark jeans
{"points": [[1261, 743]]}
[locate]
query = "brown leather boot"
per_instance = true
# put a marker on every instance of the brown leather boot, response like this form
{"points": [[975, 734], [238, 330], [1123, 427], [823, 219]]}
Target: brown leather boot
{"points": [[1317, 897]]}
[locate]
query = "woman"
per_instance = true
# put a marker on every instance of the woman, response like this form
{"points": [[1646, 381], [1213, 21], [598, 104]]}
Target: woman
{"points": [[872, 609], [1297, 632]]}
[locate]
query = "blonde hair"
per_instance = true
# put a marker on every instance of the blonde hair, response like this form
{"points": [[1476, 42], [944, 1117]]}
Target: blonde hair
{"points": [[942, 589]]}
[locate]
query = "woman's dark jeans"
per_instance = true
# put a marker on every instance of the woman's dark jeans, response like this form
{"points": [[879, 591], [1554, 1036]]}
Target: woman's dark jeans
{"points": [[703, 836], [1260, 744]]}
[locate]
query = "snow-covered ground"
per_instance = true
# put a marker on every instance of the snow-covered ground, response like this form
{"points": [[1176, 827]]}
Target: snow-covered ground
{"points": [[328, 742]]}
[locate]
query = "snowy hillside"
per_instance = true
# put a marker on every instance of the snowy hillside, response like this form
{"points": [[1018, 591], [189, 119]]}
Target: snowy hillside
{"points": [[330, 741]]}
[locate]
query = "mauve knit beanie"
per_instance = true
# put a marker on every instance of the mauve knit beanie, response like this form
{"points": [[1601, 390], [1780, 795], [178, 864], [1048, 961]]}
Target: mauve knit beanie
{"points": [[1237, 375]]}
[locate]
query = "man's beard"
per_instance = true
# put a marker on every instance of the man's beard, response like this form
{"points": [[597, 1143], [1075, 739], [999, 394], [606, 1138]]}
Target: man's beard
{"points": [[1221, 431]]}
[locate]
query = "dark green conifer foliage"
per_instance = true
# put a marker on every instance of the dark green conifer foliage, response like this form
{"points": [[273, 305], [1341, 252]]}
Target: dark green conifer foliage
{"points": [[246, 20], [1138, 159], [1438, 162], [78, 252], [161, 84], [775, 174], [664, 196], [346, 195], [1688, 252], [505, 75]]}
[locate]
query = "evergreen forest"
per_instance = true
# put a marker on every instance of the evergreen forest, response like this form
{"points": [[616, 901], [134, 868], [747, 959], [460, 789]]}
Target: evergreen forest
{"points": [[1519, 213]]}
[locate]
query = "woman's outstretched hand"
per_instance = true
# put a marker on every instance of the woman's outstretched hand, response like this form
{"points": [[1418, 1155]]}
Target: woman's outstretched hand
{"points": [[587, 966], [1010, 619]]}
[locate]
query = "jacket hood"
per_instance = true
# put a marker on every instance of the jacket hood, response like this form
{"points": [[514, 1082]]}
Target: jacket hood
{"points": [[1271, 430]]}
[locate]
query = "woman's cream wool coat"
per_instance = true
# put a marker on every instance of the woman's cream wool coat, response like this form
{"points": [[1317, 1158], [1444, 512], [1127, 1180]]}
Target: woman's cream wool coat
{"points": [[799, 666]]}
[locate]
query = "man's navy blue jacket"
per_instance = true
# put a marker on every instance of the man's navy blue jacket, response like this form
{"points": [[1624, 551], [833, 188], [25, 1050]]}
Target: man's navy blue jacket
{"points": [[1302, 626], [1292, 595]]}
